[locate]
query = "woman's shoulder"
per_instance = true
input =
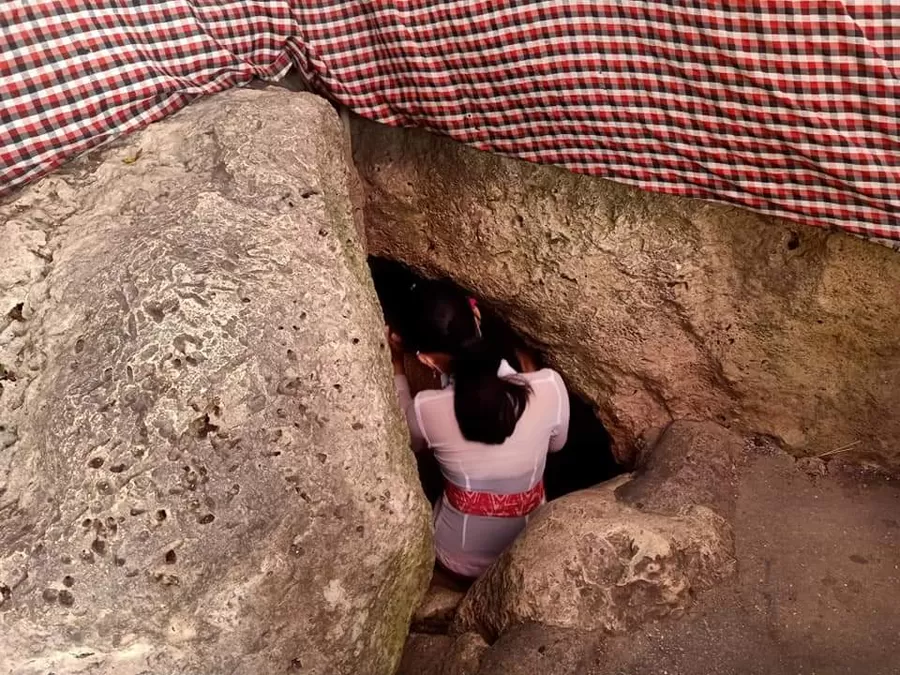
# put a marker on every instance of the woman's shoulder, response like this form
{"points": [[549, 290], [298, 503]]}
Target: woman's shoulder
{"points": [[546, 376], [433, 395]]}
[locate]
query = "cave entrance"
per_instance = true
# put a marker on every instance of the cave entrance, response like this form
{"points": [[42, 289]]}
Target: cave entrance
{"points": [[585, 460]]}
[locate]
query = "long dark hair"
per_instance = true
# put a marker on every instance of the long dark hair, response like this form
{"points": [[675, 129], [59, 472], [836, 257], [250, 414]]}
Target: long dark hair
{"points": [[487, 406]]}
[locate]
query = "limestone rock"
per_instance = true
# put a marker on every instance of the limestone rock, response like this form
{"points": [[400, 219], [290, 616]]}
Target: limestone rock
{"points": [[437, 609], [207, 471], [656, 308], [588, 561], [466, 655], [427, 654], [692, 463], [534, 649]]}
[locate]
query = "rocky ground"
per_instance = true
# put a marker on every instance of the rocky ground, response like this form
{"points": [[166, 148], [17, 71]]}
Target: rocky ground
{"points": [[815, 592]]}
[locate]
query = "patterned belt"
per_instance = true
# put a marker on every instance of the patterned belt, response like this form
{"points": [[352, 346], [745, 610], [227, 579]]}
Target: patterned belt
{"points": [[489, 504]]}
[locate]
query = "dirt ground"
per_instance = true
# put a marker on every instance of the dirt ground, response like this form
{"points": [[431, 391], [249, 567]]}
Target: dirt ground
{"points": [[817, 591]]}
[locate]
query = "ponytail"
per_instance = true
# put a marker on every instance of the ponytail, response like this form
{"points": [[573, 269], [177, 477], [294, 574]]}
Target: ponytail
{"points": [[487, 406]]}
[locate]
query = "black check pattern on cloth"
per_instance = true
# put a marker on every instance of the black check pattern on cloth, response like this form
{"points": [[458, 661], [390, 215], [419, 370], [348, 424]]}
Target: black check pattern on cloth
{"points": [[789, 108]]}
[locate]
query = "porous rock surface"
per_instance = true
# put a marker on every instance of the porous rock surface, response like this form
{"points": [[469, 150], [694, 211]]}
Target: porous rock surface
{"points": [[690, 463], [591, 562], [436, 654], [656, 308], [202, 467]]}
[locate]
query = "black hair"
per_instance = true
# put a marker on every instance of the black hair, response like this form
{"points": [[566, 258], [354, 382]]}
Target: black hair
{"points": [[487, 406]]}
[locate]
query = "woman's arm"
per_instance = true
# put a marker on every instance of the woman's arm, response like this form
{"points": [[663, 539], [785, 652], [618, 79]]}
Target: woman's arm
{"points": [[560, 433], [404, 395], [527, 360]]}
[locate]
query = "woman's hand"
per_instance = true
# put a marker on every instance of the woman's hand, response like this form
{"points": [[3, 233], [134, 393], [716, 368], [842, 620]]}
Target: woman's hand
{"points": [[397, 354]]}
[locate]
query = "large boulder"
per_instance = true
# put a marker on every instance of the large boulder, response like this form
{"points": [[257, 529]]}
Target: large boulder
{"points": [[203, 468], [656, 308], [590, 562], [691, 463]]}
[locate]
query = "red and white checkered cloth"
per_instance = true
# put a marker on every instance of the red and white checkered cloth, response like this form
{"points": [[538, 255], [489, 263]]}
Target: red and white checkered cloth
{"points": [[788, 107]]}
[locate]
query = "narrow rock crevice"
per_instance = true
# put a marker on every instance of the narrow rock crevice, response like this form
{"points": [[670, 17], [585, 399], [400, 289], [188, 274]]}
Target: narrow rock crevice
{"points": [[584, 461]]}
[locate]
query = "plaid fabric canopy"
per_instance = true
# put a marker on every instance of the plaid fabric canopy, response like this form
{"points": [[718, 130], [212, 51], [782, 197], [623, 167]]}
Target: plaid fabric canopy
{"points": [[788, 107]]}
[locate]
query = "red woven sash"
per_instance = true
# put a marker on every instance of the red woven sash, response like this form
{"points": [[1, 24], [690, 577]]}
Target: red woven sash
{"points": [[489, 504]]}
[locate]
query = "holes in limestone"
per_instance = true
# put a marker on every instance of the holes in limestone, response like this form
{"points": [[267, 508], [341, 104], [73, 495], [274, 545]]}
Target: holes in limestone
{"points": [[6, 374], [171, 557], [194, 477], [166, 579], [95, 462], [161, 515], [202, 427], [104, 488], [68, 581], [793, 241], [16, 312], [117, 468], [206, 519], [290, 386], [50, 595], [66, 599], [99, 546], [79, 345]]}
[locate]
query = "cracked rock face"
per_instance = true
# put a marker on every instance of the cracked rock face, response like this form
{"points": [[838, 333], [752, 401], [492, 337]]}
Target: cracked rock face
{"points": [[591, 562], [656, 308], [202, 467]]}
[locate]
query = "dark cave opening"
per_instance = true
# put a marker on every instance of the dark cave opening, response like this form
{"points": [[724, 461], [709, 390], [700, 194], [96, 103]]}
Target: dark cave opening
{"points": [[585, 460]]}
